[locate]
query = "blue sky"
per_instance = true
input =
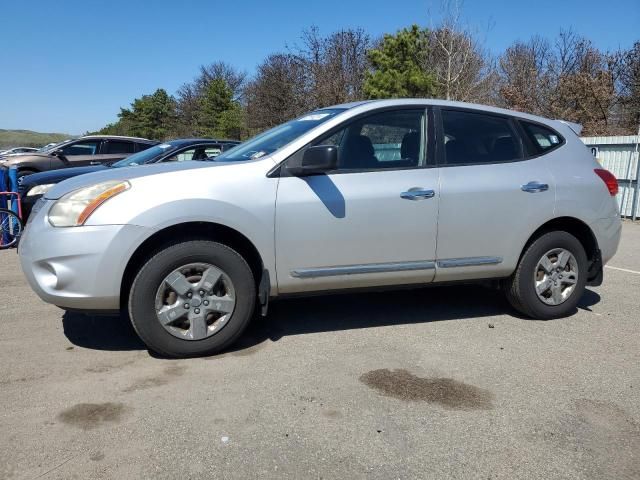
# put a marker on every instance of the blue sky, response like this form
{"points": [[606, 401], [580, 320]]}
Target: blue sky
{"points": [[69, 65]]}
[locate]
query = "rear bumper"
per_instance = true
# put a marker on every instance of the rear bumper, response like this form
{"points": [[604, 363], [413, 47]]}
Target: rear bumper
{"points": [[79, 267], [607, 232]]}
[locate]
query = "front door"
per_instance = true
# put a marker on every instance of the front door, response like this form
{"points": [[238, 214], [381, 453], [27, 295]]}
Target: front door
{"points": [[371, 222], [81, 153]]}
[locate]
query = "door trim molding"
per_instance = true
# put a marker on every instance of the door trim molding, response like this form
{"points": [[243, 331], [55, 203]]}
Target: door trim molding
{"points": [[365, 268], [468, 262], [394, 267]]}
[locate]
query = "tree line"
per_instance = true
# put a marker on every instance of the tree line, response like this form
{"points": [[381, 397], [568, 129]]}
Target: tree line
{"points": [[566, 78]]}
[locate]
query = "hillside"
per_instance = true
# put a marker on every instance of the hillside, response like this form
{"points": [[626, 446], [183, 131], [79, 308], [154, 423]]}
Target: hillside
{"points": [[27, 138]]}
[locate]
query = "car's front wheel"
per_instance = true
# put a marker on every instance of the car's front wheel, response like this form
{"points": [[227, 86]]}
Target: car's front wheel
{"points": [[192, 298], [550, 278]]}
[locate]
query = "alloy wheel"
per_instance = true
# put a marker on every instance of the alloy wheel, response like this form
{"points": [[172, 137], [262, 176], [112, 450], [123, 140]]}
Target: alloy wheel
{"points": [[195, 301], [556, 276]]}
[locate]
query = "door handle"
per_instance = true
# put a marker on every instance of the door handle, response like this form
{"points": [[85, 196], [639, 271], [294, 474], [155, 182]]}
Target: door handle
{"points": [[535, 187], [417, 194]]}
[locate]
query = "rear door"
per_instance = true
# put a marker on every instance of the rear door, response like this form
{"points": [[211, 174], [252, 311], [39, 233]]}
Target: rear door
{"points": [[492, 196], [113, 150]]}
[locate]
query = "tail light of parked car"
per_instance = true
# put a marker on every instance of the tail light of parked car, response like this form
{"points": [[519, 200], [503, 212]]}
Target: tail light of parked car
{"points": [[609, 180]]}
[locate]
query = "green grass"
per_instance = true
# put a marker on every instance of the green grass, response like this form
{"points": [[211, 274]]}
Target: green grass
{"points": [[27, 138]]}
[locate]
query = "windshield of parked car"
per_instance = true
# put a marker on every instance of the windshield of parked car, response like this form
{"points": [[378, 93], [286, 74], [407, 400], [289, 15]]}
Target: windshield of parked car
{"points": [[271, 140], [145, 156], [50, 148]]}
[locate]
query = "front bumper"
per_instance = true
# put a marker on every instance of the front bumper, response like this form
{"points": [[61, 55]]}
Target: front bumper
{"points": [[78, 268]]}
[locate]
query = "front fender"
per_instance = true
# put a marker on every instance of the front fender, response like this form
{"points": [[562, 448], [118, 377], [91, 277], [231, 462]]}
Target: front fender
{"points": [[256, 225]]}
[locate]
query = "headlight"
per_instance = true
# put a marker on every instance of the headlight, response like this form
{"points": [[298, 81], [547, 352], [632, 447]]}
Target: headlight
{"points": [[74, 208], [40, 189]]}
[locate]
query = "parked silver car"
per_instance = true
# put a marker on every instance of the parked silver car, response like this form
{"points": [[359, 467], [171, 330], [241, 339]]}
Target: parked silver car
{"points": [[370, 194]]}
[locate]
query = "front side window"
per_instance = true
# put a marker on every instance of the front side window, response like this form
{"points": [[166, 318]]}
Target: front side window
{"points": [[542, 138], [87, 147], [115, 146], [391, 139], [476, 138]]}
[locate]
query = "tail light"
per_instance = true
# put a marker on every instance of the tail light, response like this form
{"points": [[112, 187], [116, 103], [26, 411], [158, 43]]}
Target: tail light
{"points": [[609, 180]]}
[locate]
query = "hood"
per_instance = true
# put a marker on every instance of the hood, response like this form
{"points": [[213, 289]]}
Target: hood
{"points": [[21, 157], [55, 176], [127, 173]]}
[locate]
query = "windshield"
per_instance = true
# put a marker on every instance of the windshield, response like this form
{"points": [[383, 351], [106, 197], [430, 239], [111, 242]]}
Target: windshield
{"points": [[145, 156], [50, 148], [271, 140]]}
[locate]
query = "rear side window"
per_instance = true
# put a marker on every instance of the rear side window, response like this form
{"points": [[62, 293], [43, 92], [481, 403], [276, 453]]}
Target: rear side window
{"points": [[543, 139], [476, 138], [119, 147]]}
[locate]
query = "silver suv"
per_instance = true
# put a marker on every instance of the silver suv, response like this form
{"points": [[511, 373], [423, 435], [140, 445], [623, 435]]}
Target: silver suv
{"points": [[371, 194]]}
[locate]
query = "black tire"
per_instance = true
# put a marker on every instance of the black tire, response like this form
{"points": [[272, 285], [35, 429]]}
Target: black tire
{"points": [[520, 287], [143, 292]]}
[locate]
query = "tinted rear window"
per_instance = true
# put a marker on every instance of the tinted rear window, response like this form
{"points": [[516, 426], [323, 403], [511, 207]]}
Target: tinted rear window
{"points": [[143, 146], [543, 139], [115, 146]]}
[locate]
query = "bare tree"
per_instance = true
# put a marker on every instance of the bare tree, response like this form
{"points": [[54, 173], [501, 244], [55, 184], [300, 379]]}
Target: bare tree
{"points": [[234, 78], [319, 72], [335, 65], [189, 95], [568, 79], [525, 82], [277, 93], [463, 68], [629, 88]]}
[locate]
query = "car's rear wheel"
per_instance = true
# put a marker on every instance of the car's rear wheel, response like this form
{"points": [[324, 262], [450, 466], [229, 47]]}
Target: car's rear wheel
{"points": [[550, 278], [192, 298]]}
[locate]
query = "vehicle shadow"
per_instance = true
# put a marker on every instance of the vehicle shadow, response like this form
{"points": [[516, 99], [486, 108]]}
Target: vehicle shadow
{"points": [[299, 316]]}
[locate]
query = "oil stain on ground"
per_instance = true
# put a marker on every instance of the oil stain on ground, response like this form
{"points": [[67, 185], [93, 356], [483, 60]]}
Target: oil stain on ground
{"points": [[446, 392], [88, 416]]}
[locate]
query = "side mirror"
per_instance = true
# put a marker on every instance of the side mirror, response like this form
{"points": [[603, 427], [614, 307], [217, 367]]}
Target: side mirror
{"points": [[58, 152], [316, 160]]}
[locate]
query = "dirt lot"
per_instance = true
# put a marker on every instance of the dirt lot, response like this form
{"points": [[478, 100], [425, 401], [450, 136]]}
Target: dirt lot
{"points": [[434, 383]]}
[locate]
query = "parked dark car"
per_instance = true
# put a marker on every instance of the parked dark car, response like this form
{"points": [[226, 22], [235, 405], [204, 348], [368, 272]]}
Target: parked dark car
{"points": [[89, 150], [32, 187]]}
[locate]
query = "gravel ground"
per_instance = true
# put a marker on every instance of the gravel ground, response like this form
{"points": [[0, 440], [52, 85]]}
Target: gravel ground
{"points": [[433, 383]]}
